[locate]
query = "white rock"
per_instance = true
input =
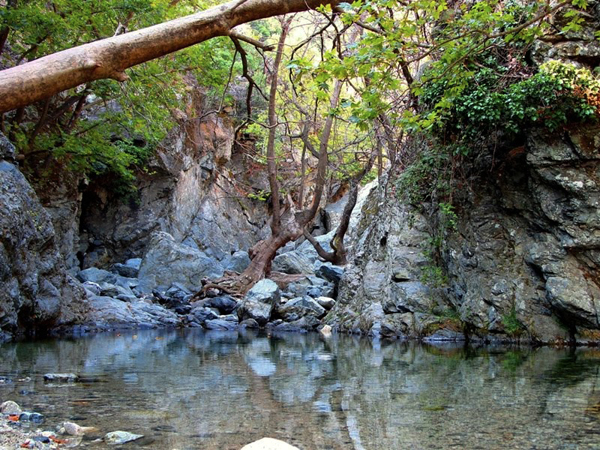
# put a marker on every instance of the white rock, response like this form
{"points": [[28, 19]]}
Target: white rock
{"points": [[269, 444], [325, 331], [121, 437], [10, 407]]}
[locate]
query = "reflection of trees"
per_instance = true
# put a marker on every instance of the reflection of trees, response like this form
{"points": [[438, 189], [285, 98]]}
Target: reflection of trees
{"points": [[222, 390]]}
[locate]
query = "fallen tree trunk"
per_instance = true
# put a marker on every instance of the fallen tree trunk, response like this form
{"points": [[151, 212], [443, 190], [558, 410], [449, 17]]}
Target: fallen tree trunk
{"points": [[108, 58]]}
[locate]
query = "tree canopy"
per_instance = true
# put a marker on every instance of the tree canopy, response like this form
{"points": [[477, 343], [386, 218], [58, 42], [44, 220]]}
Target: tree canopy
{"points": [[332, 89]]}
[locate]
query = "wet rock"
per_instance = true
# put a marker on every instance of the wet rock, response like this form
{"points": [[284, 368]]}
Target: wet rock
{"points": [[61, 377], [259, 302], [10, 407], [330, 272], [444, 334], [224, 303], [201, 314], [303, 324], [269, 444], [109, 312], [238, 262], [74, 429], [167, 262], [96, 275], [121, 437], [299, 307], [220, 324], [32, 417], [249, 323]]}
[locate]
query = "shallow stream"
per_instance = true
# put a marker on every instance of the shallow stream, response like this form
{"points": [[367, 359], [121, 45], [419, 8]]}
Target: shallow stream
{"points": [[194, 390]]}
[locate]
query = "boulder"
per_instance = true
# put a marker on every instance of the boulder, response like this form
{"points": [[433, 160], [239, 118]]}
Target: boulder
{"points": [[325, 331], [126, 271], [293, 262], [202, 314], [220, 324], [326, 302], [238, 262], [224, 303], [109, 312], [61, 377], [259, 302], [249, 323], [96, 275], [299, 307], [167, 262]]}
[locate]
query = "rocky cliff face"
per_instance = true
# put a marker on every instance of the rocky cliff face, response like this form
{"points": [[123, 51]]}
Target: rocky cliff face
{"points": [[522, 263], [192, 191], [36, 290], [193, 198]]}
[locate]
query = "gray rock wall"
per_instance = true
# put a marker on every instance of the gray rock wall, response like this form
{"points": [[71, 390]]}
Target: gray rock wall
{"points": [[35, 290], [522, 263], [191, 192]]}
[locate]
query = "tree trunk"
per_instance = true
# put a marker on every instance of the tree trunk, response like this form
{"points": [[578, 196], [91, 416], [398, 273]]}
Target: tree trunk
{"points": [[271, 163], [262, 254], [108, 58], [339, 255]]}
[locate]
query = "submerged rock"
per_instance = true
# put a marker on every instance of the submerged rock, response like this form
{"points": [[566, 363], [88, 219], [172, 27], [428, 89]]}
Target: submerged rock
{"points": [[121, 437], [10, 407], [61, 377], [269, 444]]}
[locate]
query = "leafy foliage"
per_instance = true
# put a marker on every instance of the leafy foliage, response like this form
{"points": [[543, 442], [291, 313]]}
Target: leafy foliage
{"points": [[558, 93], [106, 127]]}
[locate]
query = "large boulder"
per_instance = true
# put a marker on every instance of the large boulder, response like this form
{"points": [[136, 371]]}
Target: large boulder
{"points": [[167, 262], [107, 312], [259, 302]]}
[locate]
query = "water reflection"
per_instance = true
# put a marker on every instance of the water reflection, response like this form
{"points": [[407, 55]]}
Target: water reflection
{"points": [[189, 389]]}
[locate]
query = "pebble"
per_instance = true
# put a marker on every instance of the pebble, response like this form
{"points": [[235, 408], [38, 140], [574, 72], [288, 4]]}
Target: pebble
{"points": [[31, 417], [10, 407], [121, 437], [76, 430]]}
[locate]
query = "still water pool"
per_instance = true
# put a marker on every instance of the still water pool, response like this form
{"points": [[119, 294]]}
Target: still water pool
{"points": [[195, 390]]}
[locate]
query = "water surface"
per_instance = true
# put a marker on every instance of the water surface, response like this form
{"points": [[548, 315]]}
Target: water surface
{"points": [[194, 390]]}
